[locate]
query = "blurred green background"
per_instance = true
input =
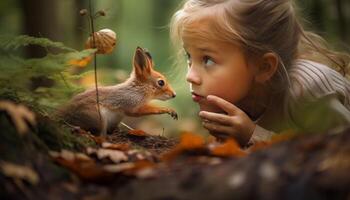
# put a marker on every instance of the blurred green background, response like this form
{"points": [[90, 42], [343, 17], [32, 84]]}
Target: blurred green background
{"points": [[144, 23]]}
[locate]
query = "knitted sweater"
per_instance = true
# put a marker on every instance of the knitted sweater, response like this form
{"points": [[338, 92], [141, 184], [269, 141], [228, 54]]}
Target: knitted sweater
{"points": [[317, 100]]}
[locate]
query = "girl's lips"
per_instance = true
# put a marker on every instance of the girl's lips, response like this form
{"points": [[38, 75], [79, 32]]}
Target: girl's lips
{"points": [[196, 97]]}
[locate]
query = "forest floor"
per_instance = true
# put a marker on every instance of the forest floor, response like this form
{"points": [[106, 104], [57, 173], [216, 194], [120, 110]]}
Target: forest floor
{"points": [[51, 161]]}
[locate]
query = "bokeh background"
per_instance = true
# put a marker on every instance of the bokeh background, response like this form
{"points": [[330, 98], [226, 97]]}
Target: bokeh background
{"points": [[144, 23]]}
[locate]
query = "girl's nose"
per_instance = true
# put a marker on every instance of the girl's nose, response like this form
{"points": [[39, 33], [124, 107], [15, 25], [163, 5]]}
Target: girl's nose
{"points": [[193, 76]]}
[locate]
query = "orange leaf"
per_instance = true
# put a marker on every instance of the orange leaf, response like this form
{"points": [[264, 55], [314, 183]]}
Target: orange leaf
{"points": [[259, 146], [188, 141], [191, 141], [228, 149], [135, 132], [81, 62]]}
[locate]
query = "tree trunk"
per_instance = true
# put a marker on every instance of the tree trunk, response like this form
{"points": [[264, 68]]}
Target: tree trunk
{"points": [[40, 20]]}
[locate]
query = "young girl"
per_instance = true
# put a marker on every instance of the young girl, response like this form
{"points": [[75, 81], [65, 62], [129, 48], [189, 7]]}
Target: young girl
{"points": [[254, 70]]}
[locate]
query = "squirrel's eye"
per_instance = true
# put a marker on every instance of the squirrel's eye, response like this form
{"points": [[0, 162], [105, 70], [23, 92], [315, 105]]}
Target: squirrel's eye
{"points": [[161, 83]]}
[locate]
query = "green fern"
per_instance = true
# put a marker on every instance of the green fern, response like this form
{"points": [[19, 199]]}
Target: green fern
{"points": [[17, 73], [13, 43]]}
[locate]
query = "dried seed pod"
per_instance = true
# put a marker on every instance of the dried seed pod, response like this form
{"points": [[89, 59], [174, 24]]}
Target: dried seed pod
{"points": [[105, 41]]}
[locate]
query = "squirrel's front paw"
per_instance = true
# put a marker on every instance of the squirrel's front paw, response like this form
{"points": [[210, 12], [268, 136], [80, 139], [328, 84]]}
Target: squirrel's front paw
{"points": [[173, 114]]}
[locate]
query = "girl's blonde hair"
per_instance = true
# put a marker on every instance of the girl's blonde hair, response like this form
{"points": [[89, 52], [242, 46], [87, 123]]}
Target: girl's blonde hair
{"points": [[259, 26]]}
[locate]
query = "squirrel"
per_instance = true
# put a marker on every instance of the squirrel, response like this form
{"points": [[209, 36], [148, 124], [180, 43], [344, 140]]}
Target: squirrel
{"points": [[129, 98]]}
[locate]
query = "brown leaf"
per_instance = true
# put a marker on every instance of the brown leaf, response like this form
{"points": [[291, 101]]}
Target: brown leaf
{"points": [[70, 156], [99, 139], [86, 170], [80, 164], [20, 116], [119, 167], [19, 172]]}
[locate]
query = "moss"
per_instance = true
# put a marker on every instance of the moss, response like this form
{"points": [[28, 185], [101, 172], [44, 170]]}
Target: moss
{"points": [[57, 137]]}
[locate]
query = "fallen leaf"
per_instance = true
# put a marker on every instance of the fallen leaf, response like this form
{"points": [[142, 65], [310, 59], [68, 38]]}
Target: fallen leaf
{"points": [[80, 164], [119, 167], [259, 146], [119, 146], [228, 149], [20, 115], [114, 155], [188, 141], [136, 132], [19, 172], [99, 139], [191, 141], [70, 156], [89, 171]]}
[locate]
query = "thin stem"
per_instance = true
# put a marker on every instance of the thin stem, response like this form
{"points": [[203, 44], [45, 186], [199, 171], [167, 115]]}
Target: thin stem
{"points": [[95, 57]]}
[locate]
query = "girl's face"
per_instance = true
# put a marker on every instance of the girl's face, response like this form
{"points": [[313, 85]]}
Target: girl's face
{"points": [[217, 68]]}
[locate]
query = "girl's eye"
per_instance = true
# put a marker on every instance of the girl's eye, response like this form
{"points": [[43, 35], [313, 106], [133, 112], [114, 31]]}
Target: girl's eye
{"points": [[188, 58], [208, 61], [161, 83]]}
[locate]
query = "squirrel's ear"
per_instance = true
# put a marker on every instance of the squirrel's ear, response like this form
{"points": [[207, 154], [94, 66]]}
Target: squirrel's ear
{"points": [[142, 63]]}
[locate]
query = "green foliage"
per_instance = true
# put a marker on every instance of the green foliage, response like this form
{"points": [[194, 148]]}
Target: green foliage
{"points": [[19, 77], [13, 43]]}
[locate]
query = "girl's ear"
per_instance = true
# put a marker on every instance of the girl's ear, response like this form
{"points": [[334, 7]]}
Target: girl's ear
{"points": [[267, 68]]}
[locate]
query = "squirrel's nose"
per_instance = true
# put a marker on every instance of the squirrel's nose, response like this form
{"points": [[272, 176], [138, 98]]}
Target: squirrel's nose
{"points": [[174, 95]]}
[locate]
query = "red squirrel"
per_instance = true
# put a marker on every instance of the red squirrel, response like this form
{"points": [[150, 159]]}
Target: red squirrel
{"points": [[129, 98]]}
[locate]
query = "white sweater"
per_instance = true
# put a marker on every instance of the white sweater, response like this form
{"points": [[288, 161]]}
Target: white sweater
{"points": [[317, 100]]}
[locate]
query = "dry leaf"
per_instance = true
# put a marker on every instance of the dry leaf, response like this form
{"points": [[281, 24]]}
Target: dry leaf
{"points": [[259, 146], [99, 139], [119, 146], [70, 156], [191, 141], [136, 132], [228, 149], [19, 172], [188, 141], [82, 166], [20, 115], [86, 170], [80, 62], [114, 155], [119, 167]]}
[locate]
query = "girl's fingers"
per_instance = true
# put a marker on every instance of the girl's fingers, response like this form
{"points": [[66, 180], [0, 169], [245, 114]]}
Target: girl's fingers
{"points": [[223, 104], [215, 117], [219, 136], [217, 128]]}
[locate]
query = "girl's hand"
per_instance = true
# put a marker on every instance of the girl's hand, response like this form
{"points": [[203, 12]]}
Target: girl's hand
{"points": [[234, 124]]}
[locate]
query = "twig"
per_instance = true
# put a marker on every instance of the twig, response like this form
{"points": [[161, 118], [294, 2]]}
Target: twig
{"points": [[95, 58], [128, 127]]}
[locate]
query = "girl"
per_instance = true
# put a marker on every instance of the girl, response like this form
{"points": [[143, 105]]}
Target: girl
{"points": [[254, 70]]}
